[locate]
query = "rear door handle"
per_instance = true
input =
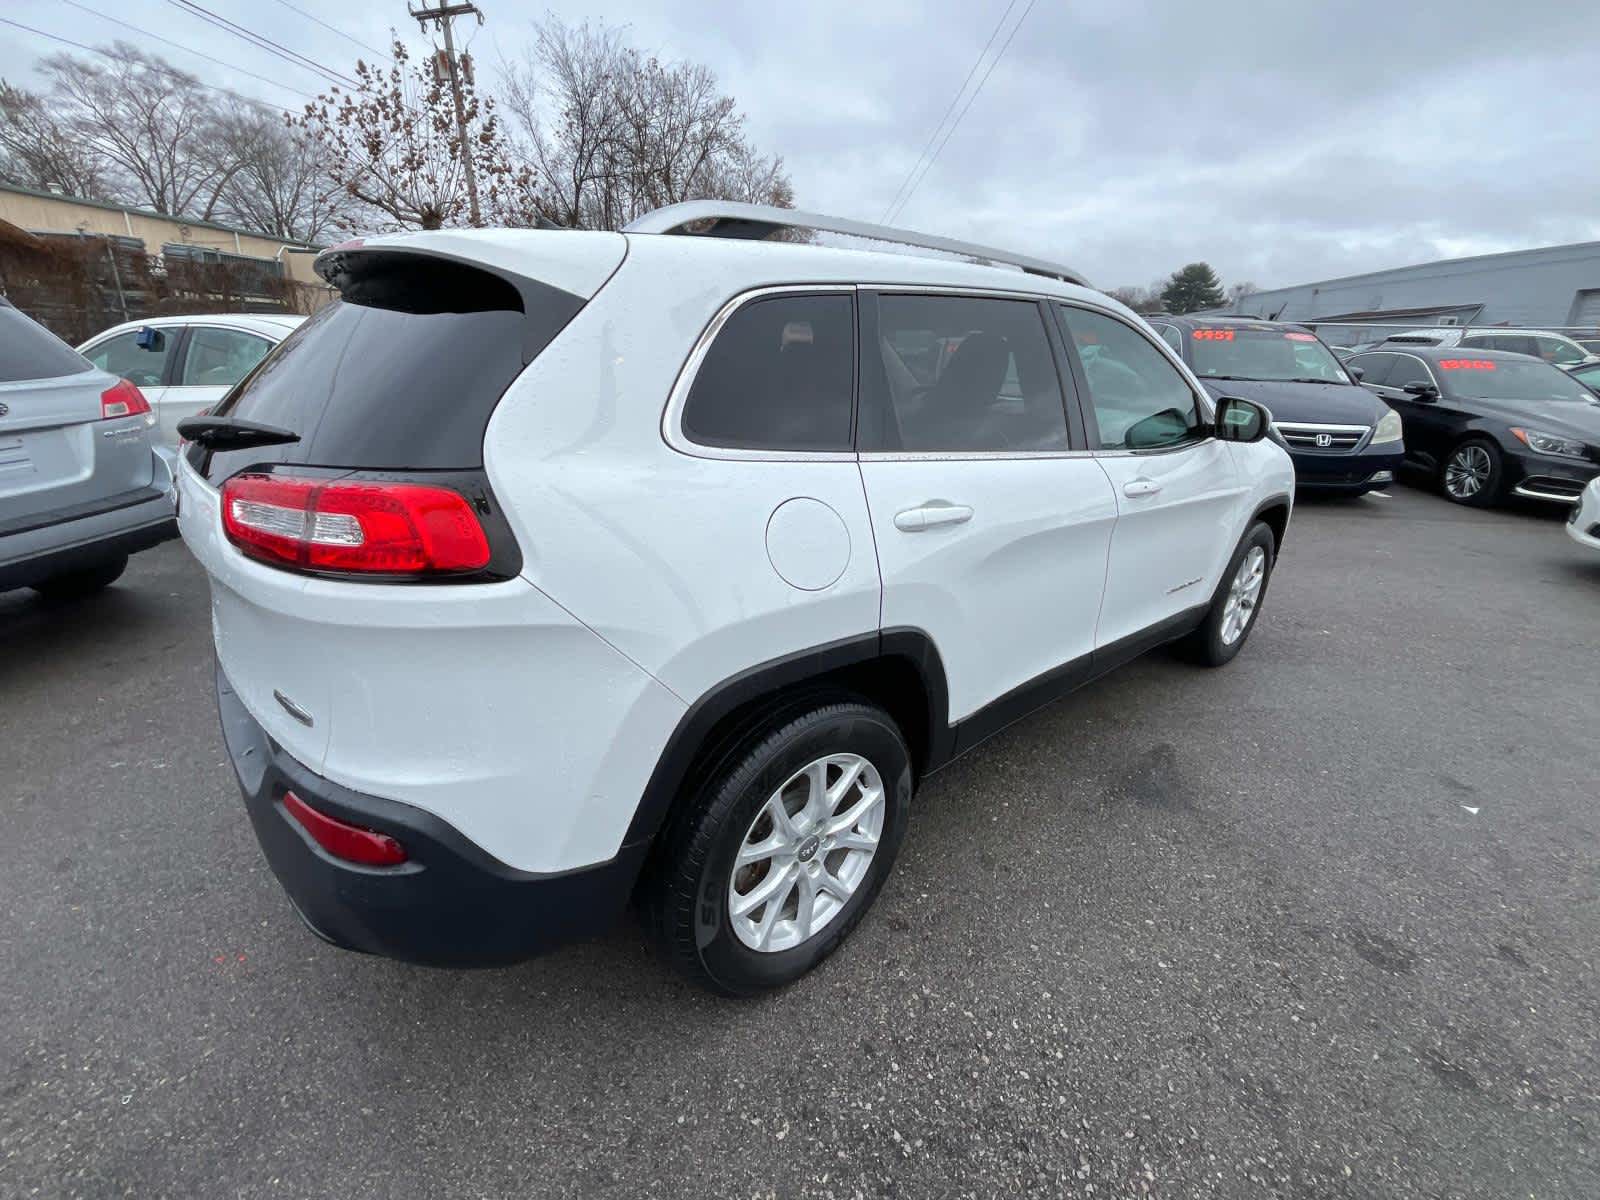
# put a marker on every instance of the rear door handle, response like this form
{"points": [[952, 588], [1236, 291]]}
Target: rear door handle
{"points": [[1140, 487], [930, 515]]}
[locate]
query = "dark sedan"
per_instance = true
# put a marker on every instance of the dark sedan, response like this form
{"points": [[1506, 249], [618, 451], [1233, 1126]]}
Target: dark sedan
{"points": [[1487, 423], [1340, 436]]}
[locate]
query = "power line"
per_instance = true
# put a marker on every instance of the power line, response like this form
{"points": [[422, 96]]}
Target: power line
{"points": [[168, 71], [954, 100], [948, 133], [261, 42], [186, 49], [331, 29]]}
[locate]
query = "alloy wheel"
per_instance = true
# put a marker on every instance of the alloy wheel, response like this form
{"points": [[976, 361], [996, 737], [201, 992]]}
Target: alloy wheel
{"points": [[1467, 473], [1244, 593], [806, 852]]}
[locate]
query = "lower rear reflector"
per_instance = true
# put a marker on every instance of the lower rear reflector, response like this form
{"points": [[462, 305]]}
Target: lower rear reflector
{"points": [[366, 847]]}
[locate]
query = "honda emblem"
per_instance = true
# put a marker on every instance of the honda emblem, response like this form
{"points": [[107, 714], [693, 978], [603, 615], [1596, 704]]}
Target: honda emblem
{"points": [[1324, 440]]}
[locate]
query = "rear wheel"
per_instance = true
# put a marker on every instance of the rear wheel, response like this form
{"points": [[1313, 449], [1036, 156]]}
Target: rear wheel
{"points": [[1472, 473], [69, 585], [778, 855], [1236, 601]]}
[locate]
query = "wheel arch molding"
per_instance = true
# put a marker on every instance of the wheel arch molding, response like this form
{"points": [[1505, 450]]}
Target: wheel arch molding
{"points": [[897, 669]]}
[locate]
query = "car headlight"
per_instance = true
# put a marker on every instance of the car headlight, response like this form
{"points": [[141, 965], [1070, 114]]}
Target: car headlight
{"points": [[1549, 443], [1388, 429]]}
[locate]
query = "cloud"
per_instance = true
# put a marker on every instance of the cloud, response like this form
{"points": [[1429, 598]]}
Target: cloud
{"points": [[1282, 143]]}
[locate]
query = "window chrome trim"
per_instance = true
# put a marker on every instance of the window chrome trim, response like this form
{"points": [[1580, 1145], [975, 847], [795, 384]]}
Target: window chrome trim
{"points": [[672, 416]]}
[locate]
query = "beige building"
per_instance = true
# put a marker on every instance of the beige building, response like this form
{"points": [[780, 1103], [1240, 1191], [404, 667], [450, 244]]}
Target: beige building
{"points": [[44, 212]]}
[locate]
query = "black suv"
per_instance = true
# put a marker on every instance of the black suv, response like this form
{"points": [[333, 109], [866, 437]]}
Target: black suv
{"points": [[1487, 423], [1340, 437]]}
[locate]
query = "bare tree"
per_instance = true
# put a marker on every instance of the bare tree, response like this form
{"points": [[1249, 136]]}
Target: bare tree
{"points": [[282, 187], [37, 151], [163, 139], [614, 133], [1141, 300], [393, 147]]}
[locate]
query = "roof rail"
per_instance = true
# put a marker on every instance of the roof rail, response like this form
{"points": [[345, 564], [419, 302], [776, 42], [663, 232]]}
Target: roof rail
{"points": [[727, 219]]}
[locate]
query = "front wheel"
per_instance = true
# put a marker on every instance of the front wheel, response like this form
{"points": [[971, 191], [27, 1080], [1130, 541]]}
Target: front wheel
{"points": [[777, 857], [1472, 473], [1236, 601]]}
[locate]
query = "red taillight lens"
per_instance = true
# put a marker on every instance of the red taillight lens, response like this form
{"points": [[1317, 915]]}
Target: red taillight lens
{"points": [[123, 400], [352, 843], [355, 526]]}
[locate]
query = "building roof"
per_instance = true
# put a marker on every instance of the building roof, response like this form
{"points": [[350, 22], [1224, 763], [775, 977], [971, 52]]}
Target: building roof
{"points": [[1502, 255], [153, 215]]}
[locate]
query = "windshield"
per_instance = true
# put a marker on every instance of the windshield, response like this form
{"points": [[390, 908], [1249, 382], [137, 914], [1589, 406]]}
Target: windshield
{"points": [[1241, 352], [1509, 379]]}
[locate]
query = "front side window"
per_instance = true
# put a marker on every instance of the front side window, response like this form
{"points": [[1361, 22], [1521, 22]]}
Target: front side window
{"points": [[1172, 336], [1141, 401], [778, 377], [122, 355], [960, 374], [1409, 370], [1375, 368], [220, 357]]}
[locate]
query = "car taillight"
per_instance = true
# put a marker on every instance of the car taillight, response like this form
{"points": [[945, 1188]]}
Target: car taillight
{"points": [[353, 843], [356, 526], [122, 400]]}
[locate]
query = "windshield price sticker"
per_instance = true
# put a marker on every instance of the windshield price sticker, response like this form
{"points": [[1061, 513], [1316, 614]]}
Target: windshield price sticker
{"points": [[1466, 364], [1213, 335]]}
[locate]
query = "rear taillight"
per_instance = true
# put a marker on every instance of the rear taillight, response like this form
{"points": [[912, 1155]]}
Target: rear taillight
{"points": [[355, 526], [367, 847], [123, 400]]}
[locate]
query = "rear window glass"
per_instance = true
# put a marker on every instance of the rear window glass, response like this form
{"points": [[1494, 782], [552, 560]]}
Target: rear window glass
{"points": [[779, 377], [30, 351], [383, 379]]}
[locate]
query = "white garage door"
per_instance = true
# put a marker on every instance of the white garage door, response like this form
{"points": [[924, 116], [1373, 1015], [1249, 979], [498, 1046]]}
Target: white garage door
{"points": [[1586, 309]]}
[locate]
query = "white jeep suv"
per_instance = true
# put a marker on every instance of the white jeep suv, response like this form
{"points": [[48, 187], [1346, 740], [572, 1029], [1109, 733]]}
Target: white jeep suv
{"points": [[550, 569]]}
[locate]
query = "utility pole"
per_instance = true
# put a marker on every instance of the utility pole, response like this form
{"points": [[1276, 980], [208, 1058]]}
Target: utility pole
{"points": [[443, 15]]}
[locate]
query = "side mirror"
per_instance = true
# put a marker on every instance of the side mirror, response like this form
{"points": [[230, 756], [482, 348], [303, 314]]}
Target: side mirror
{"points": [[150, 339], [1240, 420], [1357, 373], [1422, 391]]}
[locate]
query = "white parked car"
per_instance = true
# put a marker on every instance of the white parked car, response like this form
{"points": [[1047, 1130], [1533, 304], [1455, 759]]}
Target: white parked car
{"points": [[1583, 522], [1555, 348], [186, 364], [552, 568]]}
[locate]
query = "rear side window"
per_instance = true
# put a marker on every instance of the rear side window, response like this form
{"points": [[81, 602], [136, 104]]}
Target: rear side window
{"points": [[30, 351], [402, 373], [960, 373], [1558, 350], [779, 376], [144, 365], [1171, 336]]}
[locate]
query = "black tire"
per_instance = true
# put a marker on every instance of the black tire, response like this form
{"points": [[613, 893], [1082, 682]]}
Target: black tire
{"points": [[1206, 644], [685, 893], [70, 585], [1474, 450]]}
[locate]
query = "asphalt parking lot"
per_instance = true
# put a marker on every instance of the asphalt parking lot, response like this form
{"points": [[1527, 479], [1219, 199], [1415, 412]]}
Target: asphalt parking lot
{"points": [[1323, 923]]}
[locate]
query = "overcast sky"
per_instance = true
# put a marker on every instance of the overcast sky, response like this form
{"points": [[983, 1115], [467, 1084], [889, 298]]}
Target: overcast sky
{"points": [[1281, 142]]}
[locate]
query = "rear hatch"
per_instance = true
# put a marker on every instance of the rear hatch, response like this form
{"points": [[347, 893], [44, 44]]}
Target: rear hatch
{"points": [[389, 387], [60, 451]]}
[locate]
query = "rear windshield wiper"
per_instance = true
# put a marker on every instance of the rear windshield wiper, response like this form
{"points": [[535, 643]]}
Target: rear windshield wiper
{"points": [[232, 433]]}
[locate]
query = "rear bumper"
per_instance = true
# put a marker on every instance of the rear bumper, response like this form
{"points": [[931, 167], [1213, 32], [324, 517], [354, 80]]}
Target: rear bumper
{"points": [[34, 553], [451, 904], [1348, 472]]}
